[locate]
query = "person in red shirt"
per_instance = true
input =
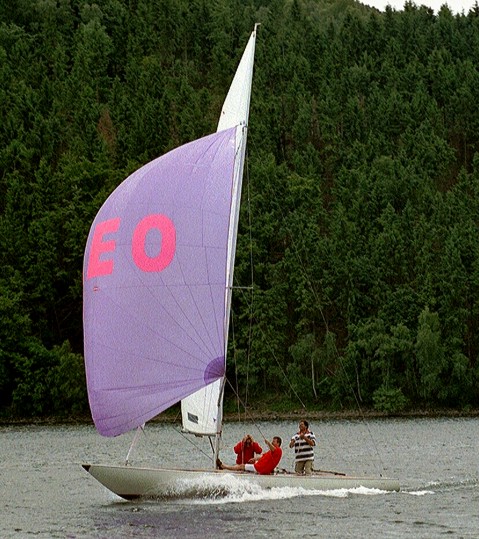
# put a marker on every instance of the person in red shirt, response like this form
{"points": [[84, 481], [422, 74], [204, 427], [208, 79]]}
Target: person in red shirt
{"points": [[246, 450], [264, 464]]}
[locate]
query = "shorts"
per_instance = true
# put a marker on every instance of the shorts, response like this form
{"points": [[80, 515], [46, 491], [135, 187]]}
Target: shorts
{"points": [[250, 468]]}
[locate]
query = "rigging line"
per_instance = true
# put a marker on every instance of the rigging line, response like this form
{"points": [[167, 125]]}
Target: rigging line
{"points": [[339, 357], [141, 430], [272, 352], [251, 317], [326, 325], [246, 410], [184, 434], [248, 301], [251, 303], [236, 391], [250, 226]]}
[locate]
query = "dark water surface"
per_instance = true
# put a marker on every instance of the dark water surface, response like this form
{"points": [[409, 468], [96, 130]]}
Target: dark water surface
{"points": [[45, 493]]}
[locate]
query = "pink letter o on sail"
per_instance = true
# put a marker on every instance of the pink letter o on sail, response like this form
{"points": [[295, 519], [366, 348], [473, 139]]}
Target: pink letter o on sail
{"points": [[168, 243]]}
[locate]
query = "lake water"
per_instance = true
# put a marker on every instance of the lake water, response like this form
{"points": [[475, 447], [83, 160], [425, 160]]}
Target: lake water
{"points": [[45, 493]]}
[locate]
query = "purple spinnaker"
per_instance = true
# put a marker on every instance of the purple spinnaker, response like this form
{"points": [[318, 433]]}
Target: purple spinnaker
{"points": [[154, 283]]}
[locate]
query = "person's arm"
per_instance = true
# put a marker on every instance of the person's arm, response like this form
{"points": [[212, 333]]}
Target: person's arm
{"points": [[307, 439], [291, 443], [238, 447], [257, 448], [270, 445]]}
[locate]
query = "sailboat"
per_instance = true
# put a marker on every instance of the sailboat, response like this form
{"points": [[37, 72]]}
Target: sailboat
{"points": [[157, 281]]}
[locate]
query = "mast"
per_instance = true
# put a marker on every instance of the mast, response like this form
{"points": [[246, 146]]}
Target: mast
{"points": [[235, 112], [202, 412]]}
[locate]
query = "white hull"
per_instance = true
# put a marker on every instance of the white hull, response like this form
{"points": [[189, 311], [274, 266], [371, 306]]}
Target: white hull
{"points": [[130, 482]]}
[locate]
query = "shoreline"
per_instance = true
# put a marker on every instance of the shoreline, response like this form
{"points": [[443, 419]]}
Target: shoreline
{"points": [[256, 416]]}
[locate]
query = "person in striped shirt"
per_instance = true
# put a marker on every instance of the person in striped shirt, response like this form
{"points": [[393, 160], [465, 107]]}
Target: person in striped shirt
{"points": [[303, 442]]}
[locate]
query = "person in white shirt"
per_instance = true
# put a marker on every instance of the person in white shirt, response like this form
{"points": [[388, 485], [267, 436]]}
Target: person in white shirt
{"points": [[303, 442]]}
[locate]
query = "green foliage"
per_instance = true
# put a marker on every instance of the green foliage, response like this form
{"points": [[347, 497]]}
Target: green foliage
{"points": [[67, 382], [390, 401], [48, 382], [301, 369], [31, 396], [360, 219], [430, 355]]}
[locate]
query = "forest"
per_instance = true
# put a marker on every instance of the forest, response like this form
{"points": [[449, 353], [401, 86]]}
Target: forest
{"points": [[357, 269]]}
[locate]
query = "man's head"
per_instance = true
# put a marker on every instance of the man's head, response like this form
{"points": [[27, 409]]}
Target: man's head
{"points": [[303, 426], [277, 441]]}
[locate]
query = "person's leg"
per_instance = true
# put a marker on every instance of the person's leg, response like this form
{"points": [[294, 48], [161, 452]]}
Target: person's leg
{"points": [[308, 467], [299, 467], [235, 468]]}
